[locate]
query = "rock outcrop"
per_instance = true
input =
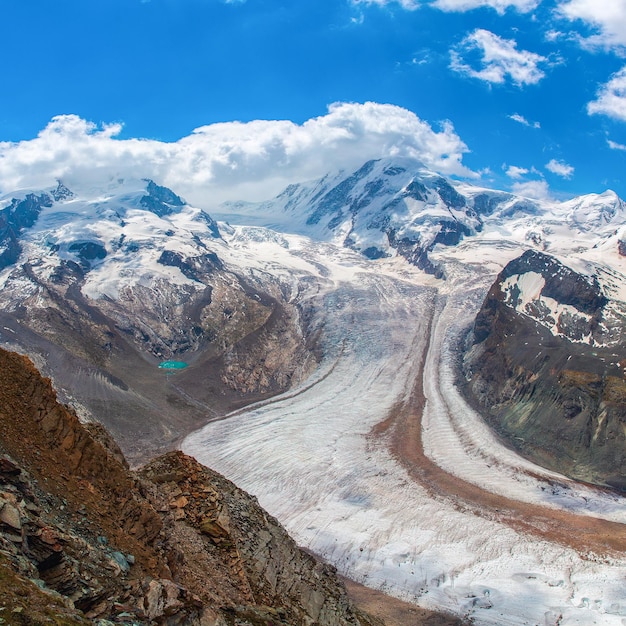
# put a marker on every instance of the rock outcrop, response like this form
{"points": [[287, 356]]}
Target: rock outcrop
{"points": [[85, 540], [20, 214], [546, 368]]}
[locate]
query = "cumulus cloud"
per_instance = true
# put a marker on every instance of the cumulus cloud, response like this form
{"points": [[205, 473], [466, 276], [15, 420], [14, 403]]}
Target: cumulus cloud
{"points": [[520, 119], [554, 35], [611, 98], [535, 189], [512, 171], [233, 160], [606, 17], [500, 59], [560, 168], [523, 6]]}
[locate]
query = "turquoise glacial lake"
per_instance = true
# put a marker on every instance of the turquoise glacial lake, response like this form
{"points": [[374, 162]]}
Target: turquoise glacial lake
{"points": [[173, 365]]}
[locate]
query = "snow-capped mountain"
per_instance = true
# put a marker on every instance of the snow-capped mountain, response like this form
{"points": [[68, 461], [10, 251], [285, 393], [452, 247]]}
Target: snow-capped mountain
{"points": [[102, 285], [115, 240], [130, 267], [562, 292], [547, 367], [395, 207], [99, 285]]}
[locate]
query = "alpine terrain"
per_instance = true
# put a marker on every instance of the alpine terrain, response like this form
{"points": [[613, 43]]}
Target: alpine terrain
{"points": [[421, 379], [101, 288]]}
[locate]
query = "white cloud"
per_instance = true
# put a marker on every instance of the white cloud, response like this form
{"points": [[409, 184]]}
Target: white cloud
{"points": [[512, 171], [606, 17], [616, 146], [500, 58], [536, 189], [554, 35], [520, 119], [560, 168], [405, 4], [233, 160], [611, 98], [523, 6]]}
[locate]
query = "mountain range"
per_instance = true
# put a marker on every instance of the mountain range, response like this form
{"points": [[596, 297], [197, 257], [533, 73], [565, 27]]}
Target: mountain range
{"points": [[154, 317], [107, 282], [552, 324], [100, 288]]}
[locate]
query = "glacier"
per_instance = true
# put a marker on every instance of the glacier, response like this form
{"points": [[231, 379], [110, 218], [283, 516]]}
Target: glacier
{"points": [[314, 460]]}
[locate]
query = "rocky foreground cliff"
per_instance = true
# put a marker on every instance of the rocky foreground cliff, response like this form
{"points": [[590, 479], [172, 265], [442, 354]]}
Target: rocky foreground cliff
{"points": [[84, 540]]}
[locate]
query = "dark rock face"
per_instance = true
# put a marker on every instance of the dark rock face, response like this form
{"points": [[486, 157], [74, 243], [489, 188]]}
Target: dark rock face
{"points": [[88, 252], [374, 253], [160, 200], [85, 539], [448, 194], [449, 232], [62, 192], [415, 190], [212, 224], [561, 283], [193, 268], [486, 204], [545, 384], [20, 214], [414, 252], [409, 249]]}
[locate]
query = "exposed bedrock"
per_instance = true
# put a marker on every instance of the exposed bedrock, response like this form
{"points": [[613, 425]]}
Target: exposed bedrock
{"points": [[241, 344], [546, 370], [84, 540]]}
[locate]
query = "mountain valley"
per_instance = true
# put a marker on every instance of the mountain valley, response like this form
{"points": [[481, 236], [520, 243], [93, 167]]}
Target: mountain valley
{"points": [[421, 379]]}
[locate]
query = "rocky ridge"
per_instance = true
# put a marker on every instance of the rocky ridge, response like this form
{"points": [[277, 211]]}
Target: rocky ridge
{"points": [[85, 540], [547, 370]]}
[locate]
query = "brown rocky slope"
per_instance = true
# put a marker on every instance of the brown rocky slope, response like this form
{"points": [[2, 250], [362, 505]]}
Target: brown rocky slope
{"points": [[85, 540]]}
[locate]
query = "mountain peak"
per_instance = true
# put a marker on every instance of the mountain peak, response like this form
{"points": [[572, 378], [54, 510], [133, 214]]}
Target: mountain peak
{"points": [[61, 192], [160, 200], [397, 206]]}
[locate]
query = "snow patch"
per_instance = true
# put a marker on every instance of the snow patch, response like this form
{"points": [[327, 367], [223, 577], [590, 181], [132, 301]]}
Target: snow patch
{"points": [[522, 289]]}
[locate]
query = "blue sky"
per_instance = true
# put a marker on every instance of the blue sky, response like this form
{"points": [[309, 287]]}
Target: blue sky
{"points": [[532, 91]]}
